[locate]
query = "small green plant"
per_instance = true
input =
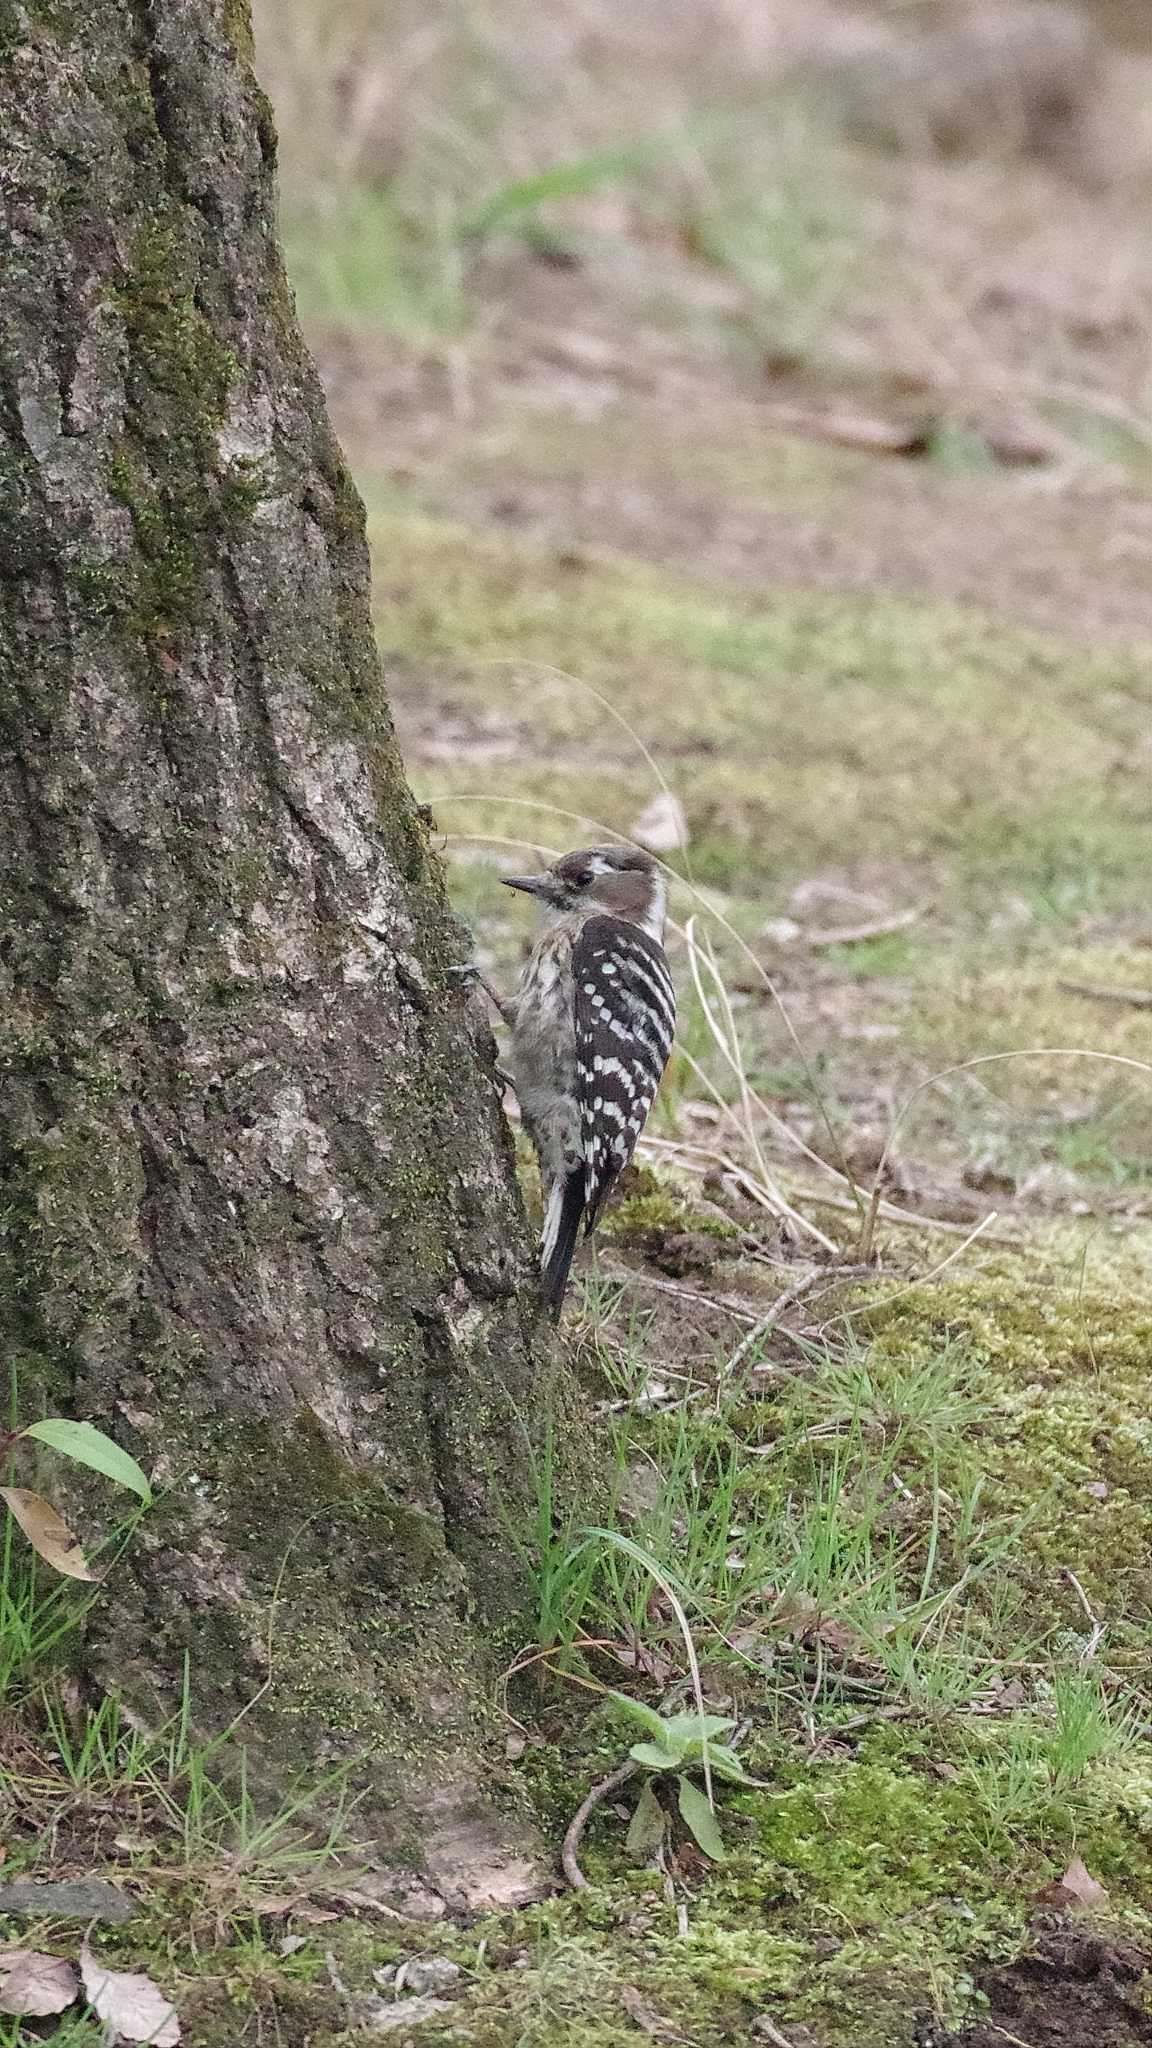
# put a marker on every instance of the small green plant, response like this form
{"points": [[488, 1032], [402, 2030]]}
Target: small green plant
{"points": [[49, 1536], [678, 1747], [1087, 1727], [35, 1616]]}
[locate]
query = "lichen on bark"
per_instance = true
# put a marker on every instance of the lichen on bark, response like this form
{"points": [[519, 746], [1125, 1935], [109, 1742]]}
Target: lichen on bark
{"points": [[257, 1209]]}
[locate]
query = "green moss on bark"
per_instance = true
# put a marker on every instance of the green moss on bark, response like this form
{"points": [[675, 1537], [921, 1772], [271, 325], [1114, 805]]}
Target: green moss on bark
{"points": [[257, 1216]]}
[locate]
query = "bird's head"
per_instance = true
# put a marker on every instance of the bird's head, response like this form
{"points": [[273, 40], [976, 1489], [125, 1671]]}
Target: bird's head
{"points": [[620, 881]]}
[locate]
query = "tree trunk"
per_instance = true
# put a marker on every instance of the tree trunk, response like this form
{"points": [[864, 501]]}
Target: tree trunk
{"points": [[258, 1215]]}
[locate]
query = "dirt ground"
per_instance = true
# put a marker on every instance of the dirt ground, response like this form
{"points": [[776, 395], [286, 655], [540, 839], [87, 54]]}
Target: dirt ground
{"points": [[571, 423], [1071, 1991]]}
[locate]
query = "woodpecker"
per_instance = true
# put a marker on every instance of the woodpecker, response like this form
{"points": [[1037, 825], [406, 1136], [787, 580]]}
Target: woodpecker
{"points": [[592, 1023]]}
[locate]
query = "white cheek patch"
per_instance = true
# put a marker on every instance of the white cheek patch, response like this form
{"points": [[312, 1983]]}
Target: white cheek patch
{"points": [[654, 922]]}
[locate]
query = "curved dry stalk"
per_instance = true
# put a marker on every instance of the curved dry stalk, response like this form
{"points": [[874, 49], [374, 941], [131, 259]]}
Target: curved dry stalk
{"points": [[1099, 1628], [983, 1059], [923, 1279], [749, 1095], [695, 1158], [574, 1834], [727, 1039], [764, 1191]]}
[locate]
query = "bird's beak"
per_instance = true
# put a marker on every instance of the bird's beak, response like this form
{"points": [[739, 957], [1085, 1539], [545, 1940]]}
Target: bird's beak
{"points": [[532, 885]]}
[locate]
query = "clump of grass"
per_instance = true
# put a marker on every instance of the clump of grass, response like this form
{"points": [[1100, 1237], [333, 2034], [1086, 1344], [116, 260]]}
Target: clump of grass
{"points": [[923, 1706], [184, 1803], [857, 1515]]}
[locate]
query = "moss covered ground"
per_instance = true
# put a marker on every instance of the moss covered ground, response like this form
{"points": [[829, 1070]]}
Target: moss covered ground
{"points": [[912, 1540]]}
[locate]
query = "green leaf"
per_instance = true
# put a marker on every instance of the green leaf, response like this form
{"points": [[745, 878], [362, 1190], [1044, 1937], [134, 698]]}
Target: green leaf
{"points": [[646, 1828], [89, 1446], [699, 1818], [695, 1727], [647, 1716], [655, 1757], [724, 1762]]}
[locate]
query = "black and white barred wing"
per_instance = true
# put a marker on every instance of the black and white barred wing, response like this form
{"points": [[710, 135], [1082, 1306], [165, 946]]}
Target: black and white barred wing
{"points": [[625, 1021]]}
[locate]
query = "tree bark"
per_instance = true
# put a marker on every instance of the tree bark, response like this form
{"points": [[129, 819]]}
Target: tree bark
{"points": [[258, 1215]]}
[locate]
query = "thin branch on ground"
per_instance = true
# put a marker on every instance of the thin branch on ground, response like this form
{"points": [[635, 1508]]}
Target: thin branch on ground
{"points": [[770, 2032], [1098, 1628], [858, 934], [783, 1302], [912, 1221], [583, 1814], [1105, 992], [721, 1303], [706, 1156]]}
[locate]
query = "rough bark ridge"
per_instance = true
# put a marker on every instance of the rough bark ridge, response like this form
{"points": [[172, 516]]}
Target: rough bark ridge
{"points": [[257, 1212]]}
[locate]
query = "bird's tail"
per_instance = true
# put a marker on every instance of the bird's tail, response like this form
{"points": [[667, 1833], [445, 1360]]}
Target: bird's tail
{"points": [[561, 1228]]}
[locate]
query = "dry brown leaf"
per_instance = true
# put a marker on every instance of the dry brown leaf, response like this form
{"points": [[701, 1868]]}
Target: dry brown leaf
{"points": [[36, 1985], [648, 1661], [688, 1862], [47, 1534], [837, 1635], [1077, 1887], [131, 2006]]}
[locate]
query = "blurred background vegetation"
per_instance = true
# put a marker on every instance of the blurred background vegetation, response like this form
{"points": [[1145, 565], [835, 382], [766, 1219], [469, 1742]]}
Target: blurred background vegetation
{"points": [[780, 370], [925, 187]]}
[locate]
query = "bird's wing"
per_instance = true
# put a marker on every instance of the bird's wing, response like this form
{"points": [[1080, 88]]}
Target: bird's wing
{"points": [[625, 1021]]}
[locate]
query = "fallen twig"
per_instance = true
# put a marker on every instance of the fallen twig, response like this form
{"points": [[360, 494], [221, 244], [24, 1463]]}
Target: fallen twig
{"points": [[581, 1817], [910, 1219], [629, 1275], [856, 934], [888, 1211], [1016, 2039], [854, 430], [1098, 1628], [767, 1322], [1103, 992], [768, 2031]]}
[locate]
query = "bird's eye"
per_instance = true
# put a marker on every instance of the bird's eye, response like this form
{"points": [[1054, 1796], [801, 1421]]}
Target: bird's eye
{"points": [[583, 878]]}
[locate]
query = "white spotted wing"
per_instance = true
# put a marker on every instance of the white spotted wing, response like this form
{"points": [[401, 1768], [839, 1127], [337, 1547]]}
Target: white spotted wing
{"points": [[625, 1020]]}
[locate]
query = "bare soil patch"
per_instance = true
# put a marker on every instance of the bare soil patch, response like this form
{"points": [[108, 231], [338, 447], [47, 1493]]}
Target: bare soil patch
{"points": [[578, 421], [1075, 1988]]}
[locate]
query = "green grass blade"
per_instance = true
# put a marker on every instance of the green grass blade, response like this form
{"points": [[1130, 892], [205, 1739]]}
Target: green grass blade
{"points": [[521, 198]]}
